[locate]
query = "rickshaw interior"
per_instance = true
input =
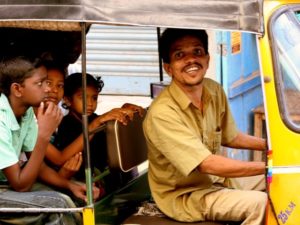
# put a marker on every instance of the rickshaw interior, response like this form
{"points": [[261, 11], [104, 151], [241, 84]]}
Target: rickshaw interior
{"points": [[66, 42]]}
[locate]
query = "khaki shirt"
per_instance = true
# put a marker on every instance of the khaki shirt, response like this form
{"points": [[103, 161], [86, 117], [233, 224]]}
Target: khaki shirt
{"points": [[179, 138]]}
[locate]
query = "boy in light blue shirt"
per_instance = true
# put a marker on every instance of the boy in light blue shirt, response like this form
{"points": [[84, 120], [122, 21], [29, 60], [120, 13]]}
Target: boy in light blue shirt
{"points": [[23, 85]]}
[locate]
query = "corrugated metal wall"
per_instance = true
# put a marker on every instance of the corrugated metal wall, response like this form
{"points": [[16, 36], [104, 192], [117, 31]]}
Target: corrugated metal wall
{"points": [[125, 57]]}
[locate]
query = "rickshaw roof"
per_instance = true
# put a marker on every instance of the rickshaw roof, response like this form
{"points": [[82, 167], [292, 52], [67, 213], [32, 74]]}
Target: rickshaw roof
{"points": [[239, 15]]}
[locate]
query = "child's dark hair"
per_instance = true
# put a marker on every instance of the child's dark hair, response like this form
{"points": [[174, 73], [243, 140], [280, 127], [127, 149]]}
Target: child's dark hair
{"points": [[16, 70], [54, 65], [170, 35], [74, 81]]}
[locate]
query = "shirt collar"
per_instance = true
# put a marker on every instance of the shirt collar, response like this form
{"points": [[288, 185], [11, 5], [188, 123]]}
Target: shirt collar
{"points": [[10, 119], [182, 99], [179, 96]]}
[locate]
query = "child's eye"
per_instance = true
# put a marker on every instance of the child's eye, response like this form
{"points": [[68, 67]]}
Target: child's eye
{"points": [[48, 83], [60, 86]]}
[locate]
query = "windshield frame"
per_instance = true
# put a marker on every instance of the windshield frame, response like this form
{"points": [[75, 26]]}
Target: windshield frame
{"points": [[289, 10]]}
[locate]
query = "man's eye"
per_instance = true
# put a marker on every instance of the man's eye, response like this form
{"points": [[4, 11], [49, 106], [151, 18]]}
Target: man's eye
{"points": [[178, 55], [199, 52]]}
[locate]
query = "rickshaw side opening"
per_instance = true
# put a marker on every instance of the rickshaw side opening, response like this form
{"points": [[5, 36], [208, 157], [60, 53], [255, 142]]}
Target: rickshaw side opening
{"points": [[270, 99]]}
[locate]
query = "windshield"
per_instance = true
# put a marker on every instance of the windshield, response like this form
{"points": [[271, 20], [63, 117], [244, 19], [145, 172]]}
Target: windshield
{"points": [[286, 38]]}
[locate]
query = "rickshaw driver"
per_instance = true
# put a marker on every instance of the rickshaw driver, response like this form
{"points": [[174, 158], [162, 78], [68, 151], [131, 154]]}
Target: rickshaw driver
{"points": [[185, 128]]}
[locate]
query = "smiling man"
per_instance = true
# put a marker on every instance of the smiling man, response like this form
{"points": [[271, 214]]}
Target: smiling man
{"points": [[185, 128]]}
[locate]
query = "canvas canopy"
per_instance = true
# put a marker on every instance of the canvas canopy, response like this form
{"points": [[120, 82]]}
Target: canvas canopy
{"points": [[243, 15]]}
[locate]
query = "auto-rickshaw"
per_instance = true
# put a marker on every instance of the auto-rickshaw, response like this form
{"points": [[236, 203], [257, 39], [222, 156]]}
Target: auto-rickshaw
{"points": [[61, 27]]}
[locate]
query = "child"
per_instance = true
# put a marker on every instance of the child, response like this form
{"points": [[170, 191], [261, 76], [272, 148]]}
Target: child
{"points": [[68, 159], [72, 124], [23, 85], [70, 164]]}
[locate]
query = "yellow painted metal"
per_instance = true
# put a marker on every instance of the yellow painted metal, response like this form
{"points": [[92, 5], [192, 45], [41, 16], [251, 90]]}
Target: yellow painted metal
{"points": [[284, 204], [88, 216], [284, 142], [270, 218], [285, 199]]}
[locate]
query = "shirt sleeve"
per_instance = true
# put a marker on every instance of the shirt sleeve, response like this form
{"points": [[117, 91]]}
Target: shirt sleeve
{"points": [[8, 154], [31, 135], [229, 128]]}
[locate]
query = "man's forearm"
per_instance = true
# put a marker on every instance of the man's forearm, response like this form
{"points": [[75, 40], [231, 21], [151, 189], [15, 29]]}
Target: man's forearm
{"points": [[246, 141], [226, 167]]}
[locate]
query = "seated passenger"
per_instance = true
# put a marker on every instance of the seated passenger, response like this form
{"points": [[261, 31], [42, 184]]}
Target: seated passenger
{"points": [[22, 86], [69, 135], [68, 163]]}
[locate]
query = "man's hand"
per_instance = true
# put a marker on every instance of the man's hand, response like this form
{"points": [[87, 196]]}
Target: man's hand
{"points": [[48, 119]]}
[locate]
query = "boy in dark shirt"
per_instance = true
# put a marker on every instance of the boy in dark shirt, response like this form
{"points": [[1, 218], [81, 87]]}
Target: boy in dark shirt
{"points": [[72, 125]]}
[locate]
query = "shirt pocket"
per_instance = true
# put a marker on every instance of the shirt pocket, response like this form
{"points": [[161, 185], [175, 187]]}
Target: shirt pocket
{"points": [[213, 141]]}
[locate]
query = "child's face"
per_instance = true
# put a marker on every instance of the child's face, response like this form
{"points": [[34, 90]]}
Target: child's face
{"points": [[55, 82], [91, 98], [33, 88]]}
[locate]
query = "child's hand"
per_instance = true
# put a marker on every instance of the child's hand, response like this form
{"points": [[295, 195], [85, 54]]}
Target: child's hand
{"points": [[123, 115], [71, 166], [134, 108], [79, 190], [48, 119], [115, 114]]}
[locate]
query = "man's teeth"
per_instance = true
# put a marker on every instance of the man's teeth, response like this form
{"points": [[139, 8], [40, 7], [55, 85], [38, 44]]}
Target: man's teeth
{"points": [[191, 69]]}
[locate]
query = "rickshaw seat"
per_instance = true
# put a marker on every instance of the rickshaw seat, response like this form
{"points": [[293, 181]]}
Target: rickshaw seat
{"points": [[126, 147], [126, 150]]}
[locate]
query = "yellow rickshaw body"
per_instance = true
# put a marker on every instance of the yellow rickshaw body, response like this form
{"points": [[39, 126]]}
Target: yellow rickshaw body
{"points": [[284, 145]]}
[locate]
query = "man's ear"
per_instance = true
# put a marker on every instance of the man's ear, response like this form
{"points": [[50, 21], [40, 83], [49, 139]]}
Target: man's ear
{"points": [[168, 69], [208, 59], [16, 90]]}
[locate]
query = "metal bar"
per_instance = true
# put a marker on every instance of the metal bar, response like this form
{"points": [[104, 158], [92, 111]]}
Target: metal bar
{"points": [[88, 216], [88, 173], [161, 74], [40, 210]]}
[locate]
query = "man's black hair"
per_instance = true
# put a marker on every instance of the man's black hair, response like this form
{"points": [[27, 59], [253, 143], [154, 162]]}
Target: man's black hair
{"points": [[73, 82], [170, 35]]}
